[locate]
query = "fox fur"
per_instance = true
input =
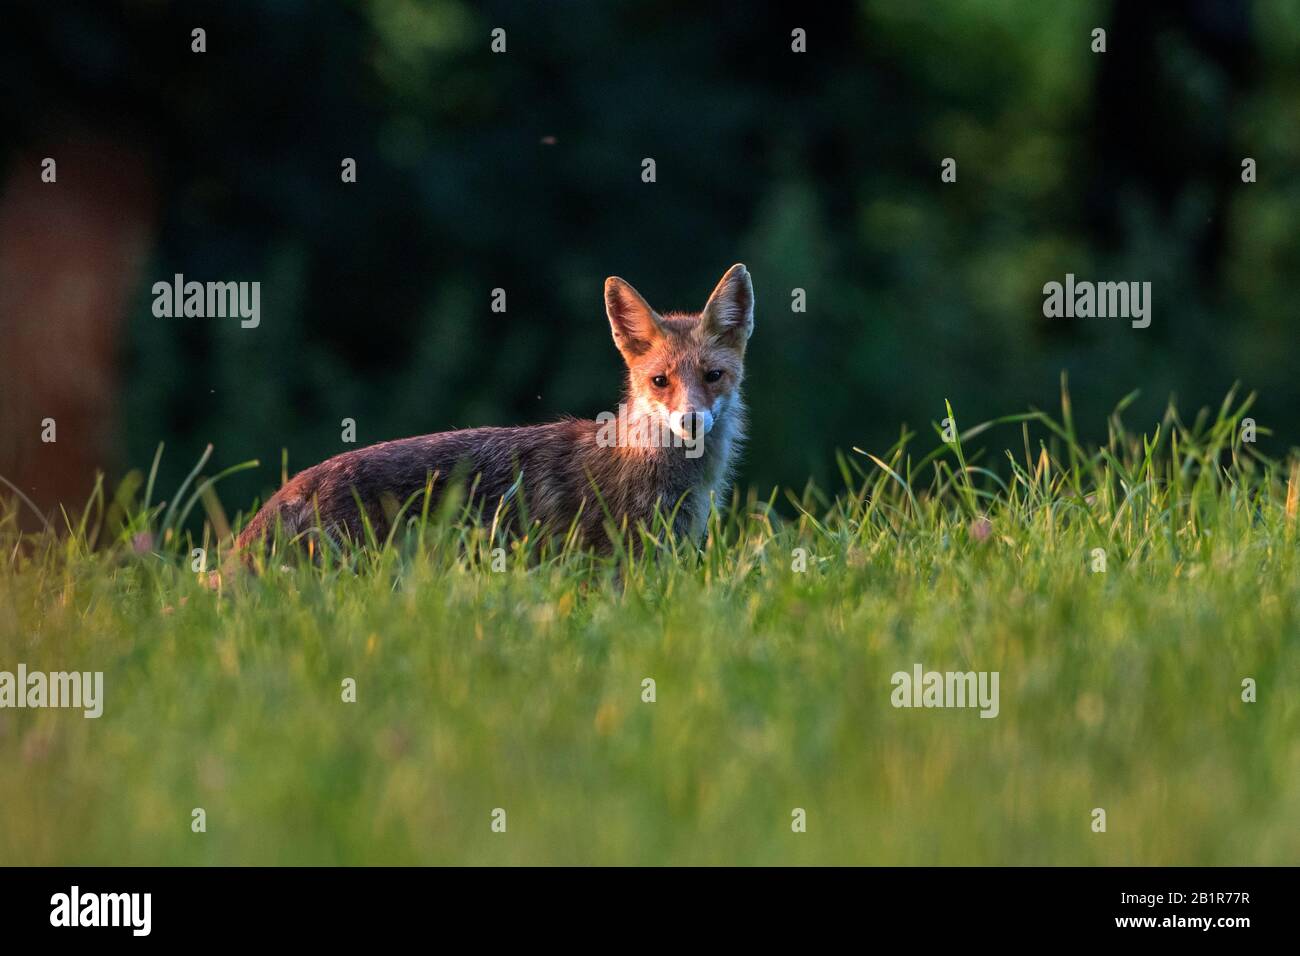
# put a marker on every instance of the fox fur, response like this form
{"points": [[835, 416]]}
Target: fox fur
{"points": [[683, 381]]}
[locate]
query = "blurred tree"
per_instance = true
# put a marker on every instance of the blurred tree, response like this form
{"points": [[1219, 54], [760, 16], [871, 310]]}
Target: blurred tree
{"points": [[821, 169]]}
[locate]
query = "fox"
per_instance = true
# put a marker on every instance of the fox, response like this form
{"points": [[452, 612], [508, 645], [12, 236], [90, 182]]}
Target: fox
{"points": [[671, 451]]}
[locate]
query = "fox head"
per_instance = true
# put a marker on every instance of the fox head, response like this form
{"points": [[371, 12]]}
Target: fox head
{"points": [[684, 368]]}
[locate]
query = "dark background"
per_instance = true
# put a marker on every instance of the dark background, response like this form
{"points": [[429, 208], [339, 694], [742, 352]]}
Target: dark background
{"points": [[819, 170]]}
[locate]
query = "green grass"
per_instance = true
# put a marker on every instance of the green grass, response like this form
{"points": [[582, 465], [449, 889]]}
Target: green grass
{"points": [[522, 689]]}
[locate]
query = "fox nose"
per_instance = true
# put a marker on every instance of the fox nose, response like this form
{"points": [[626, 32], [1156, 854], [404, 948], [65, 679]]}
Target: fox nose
{"points": [[696, 424]]}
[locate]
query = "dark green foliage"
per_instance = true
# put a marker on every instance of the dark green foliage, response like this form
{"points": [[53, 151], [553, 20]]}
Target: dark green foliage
{"points": [[821, 171]]}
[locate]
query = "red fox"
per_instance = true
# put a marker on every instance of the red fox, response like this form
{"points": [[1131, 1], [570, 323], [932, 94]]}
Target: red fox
{"points": [[671, 448]]}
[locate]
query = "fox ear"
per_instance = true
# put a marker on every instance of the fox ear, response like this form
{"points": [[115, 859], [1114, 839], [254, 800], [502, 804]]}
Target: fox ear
{"points": [[729, 313], [634, 323]]}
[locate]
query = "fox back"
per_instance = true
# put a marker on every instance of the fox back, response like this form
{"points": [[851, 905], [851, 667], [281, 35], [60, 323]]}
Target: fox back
{"points": [[670, 449]]}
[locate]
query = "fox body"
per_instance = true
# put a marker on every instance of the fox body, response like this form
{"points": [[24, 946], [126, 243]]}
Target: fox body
{"points": [[671, 448]]}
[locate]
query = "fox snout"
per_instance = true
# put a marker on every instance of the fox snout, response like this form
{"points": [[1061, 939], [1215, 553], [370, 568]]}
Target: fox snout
{"points": [[692, 424]]}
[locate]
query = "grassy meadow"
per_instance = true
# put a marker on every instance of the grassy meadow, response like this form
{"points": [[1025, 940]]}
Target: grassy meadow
{"points": [[522, 688]]}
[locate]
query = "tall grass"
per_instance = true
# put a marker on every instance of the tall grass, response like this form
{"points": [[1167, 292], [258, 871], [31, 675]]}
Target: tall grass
{"points": [[523, 689]]}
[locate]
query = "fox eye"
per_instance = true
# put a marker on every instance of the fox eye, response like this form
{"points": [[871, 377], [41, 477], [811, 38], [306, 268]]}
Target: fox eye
{"points": [[713, 375], [660, 381]]}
